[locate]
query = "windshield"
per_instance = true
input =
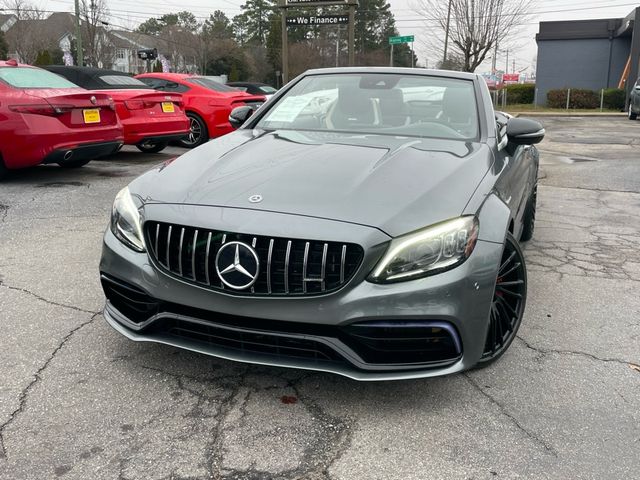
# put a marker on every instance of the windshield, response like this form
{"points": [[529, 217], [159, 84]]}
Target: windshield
{"points": [[122, 81], [25, 77], [211, 84], [380, 103]]}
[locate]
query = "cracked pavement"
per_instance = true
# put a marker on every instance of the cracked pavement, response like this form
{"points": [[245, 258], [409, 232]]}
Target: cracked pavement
{"points": [[79, 401]]}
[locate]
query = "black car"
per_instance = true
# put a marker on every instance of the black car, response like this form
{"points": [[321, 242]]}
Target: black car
{"points": [[254, 88]]}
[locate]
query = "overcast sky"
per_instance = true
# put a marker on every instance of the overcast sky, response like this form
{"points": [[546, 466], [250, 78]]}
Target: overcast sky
{"points": [[129, 13]]}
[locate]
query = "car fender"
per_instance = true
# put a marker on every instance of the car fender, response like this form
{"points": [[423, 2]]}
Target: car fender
{"points": [[494, 218]]}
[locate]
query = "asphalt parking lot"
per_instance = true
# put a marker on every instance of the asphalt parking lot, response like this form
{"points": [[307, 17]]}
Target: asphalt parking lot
{"points": [[79, 401]]}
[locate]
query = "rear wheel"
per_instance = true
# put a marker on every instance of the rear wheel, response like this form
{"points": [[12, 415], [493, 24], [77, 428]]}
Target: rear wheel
{"points": [[152, 147], [507, 306], [198, 133], [4, 171], [74, 163], [632, 115]]}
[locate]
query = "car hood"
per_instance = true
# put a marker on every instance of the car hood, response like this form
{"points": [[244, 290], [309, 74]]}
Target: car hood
{"points": [[394, 184]]}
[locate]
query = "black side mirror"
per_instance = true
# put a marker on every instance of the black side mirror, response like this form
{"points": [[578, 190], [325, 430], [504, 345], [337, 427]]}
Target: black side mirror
{"points": [[239, 115], [523, 131]]}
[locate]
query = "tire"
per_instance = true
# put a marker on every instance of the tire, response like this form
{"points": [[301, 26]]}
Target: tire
{"points": [[632, 115], [74, 163], [508, 303], [4, 171], [198, 134], [152, 147], [529, 219]]}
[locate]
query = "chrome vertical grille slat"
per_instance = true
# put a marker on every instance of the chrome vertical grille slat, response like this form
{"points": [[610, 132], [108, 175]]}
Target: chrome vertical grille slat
{"points": [[269, 257], [156, 240], [304, 267], [206, 259], [288, 267], [193, 255], [323, 271], [180, 252], [168, 264], [224, 239], [343, 259]]}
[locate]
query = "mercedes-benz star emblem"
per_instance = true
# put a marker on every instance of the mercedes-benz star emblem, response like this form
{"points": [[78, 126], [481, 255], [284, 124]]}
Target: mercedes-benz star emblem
{"points": [[237, 265], [255, 198]]}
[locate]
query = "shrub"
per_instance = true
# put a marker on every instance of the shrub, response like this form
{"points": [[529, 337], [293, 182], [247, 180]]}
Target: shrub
{"points": [[580, 98], [614, 99], [520, 93]]}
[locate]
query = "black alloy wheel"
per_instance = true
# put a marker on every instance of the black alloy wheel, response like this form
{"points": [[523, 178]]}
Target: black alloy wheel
{"points": [[197, 132], [529, 220], [152, 147], [507, 307], [632, 115]]}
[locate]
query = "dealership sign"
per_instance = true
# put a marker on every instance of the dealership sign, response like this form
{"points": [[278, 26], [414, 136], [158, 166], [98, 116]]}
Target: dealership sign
{"points": [[318, 20], [511, 77]]}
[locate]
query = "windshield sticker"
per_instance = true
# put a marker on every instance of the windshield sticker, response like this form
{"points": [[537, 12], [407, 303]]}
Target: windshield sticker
{"points": [[289, 109]]}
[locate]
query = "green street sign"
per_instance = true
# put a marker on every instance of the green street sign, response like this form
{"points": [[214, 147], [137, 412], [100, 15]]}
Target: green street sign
{"points": [[396, 40]]}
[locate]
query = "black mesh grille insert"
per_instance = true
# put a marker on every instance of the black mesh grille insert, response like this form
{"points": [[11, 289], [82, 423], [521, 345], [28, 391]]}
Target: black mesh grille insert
{"points": [[287, 266]]}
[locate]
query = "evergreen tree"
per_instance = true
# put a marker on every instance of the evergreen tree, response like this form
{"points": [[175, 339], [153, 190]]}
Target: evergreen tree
{"points": [[217, 26], [257, 19]]}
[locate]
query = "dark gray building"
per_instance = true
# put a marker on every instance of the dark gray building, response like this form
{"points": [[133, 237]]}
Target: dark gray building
{"points": [[587, 54]]}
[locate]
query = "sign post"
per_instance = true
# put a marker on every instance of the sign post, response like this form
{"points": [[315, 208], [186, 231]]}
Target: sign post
{"points": [[316, 20], [397, 40]]}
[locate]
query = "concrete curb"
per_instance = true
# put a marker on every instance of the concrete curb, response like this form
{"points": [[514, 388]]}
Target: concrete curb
{"points": [[569, 114]]}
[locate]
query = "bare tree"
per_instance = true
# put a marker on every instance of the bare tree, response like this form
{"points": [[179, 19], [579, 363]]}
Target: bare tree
{"points": [[99, 51], [475, 26], [26, 37]]}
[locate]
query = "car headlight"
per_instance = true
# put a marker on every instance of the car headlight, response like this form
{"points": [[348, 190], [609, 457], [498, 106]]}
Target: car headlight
{"points": [[427, 251], [125, 221]]}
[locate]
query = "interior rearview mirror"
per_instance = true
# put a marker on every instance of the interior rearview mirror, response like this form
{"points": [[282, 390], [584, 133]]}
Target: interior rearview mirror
{"points": [[239, 115]]}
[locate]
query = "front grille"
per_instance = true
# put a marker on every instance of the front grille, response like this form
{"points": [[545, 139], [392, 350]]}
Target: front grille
{"points": [[288, 267]]}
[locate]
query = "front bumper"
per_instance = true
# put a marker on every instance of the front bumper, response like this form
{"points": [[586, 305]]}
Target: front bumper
{"points": [[456, 302]]}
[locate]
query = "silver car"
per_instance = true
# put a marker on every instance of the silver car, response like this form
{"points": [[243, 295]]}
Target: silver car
{"points": [[366, 222]]}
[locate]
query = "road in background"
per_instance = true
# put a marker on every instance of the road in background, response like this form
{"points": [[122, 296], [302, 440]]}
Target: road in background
{"points": [[79, 401]]}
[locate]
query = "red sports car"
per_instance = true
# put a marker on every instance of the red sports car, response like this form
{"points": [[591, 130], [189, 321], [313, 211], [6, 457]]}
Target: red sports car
{"points": [[207, 103], [47, 119], [150, 119]]}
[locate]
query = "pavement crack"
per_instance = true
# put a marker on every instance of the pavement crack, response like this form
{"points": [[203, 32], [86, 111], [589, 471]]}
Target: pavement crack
{"points": [[46, 300], [4, 210], [548, 448], [546, 351], [37, 376]]}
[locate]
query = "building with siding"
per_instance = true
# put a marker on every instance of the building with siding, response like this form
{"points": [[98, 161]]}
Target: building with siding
{"points": [[589, 54]]}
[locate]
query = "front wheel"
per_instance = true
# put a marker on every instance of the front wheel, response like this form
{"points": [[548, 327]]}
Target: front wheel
{"points": [[152, 147], [507, 306], [632, 115], [198, 133]]}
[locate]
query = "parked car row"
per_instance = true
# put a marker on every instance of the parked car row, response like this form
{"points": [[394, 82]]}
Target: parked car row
{"points": [[70, 115]]}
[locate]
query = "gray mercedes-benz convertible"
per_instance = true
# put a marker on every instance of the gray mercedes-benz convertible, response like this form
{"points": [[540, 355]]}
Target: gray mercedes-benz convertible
{"points": [[364, 221]]}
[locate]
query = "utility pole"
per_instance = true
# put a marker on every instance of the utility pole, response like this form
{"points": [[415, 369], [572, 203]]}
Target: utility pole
{"points": [[352, 35], [446, 35], [79, 52], [285, 48], [391, 57], [495, 59], [513, 66], [506, 67]]}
